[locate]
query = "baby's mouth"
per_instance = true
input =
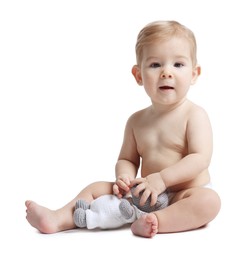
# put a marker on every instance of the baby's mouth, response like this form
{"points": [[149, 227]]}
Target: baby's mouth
{"points": [[165, 87]]}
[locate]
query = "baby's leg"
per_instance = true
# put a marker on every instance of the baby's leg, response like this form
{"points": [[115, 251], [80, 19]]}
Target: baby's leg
{"points": [[190, 209], [51, 221]]}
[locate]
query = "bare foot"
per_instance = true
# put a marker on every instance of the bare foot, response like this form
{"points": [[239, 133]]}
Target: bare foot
{"points": [[41, 218], [145, 226]]}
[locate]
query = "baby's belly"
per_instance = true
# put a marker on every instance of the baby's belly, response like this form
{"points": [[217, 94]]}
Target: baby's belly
{"points": [[156, 162]]}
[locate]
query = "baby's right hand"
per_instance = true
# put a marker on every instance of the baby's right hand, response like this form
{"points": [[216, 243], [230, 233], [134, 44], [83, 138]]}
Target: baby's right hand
{"points": [[122, 186]]}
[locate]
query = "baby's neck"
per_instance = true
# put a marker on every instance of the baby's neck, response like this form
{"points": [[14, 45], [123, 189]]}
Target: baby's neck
{"points": [[162, 109]]}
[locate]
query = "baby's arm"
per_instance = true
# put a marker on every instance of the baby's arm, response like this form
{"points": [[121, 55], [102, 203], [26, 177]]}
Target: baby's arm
{"points": [[125, 173], [128, 163], [200, 145]]}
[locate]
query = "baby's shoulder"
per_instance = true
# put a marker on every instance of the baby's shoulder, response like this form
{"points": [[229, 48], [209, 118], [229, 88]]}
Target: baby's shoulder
{"points": [[138, 115], [196, 110], [197, 116]]}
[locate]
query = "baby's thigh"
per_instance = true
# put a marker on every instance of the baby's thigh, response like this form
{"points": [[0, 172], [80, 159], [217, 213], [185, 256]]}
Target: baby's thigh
{"points": [[99, 188], [197, 196]]}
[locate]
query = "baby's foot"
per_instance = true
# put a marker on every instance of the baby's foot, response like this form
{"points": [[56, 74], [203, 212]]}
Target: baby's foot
{"points": [[41, 218], [145, 226]]}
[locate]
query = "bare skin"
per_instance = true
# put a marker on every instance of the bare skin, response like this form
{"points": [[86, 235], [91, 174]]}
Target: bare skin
{"points": [[145, 226], [44, 219], [170, 141]]}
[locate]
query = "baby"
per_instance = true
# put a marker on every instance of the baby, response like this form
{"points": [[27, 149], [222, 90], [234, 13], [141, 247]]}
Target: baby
{"points": [[170, 142]]}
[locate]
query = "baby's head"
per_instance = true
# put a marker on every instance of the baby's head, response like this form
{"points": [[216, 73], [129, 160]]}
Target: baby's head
{"points": [[163, 30]]}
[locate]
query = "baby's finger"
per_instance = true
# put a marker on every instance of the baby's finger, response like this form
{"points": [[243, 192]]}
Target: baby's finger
{"points": [[118, 192], [154, 198], [126, 181], [136, 181], [139, 188], [116, 189], [144, 197], [122, 185]]}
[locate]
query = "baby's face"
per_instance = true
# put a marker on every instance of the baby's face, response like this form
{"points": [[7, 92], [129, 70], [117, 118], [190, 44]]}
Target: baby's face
{"points": [[167, 70]]}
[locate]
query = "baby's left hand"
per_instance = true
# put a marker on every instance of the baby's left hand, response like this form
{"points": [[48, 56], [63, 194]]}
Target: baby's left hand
{"points": [[152, 185]]}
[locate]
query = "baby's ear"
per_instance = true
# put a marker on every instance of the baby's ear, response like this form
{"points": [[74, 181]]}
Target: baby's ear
{"points": [[137, 74], [195, 74]]}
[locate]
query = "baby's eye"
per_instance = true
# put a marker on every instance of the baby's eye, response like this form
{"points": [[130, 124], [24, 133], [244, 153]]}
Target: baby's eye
{"points": [[178, 65], [155, 65]]}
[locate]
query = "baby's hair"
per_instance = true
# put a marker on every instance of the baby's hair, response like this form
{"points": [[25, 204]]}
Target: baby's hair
{"points": [[163, 30]]}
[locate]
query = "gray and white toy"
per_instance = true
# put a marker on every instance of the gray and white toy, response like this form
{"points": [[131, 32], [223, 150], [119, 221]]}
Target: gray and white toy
{"points": [[109, 212]]}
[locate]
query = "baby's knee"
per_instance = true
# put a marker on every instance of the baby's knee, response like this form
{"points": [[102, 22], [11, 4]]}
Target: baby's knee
{"points": [[215, 202], [210, 203]]}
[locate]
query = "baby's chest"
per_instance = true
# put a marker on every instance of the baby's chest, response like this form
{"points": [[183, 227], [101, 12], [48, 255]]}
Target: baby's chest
{"points": [[161, 137]]}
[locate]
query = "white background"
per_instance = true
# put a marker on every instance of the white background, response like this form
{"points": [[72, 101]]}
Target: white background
{"points": [[66, 91]]}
